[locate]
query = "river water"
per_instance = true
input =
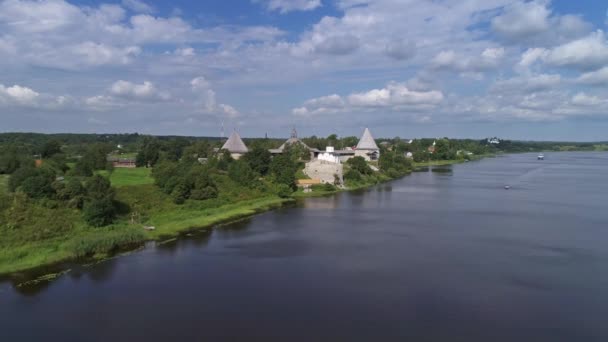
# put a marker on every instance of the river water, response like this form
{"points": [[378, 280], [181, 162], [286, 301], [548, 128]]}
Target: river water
{"points": [[444, 254]]}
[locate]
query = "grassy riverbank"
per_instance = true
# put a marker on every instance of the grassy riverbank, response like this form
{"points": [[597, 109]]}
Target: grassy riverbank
{"points": [[77, 240]]}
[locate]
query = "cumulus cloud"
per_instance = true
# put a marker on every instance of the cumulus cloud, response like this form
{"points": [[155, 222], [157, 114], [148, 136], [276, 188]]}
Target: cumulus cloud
{"points": [[285, 6], [338, 45], [206, 99], [528, 83], [533, 21], [598, 77], [60, 34], [18, 94], [395, 96], [146, 91], [587, 53], [490, 58]]}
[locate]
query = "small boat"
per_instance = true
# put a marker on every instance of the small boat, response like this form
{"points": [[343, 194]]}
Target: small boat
{"points": [[507, 187], [149, 228], [541, 157]]}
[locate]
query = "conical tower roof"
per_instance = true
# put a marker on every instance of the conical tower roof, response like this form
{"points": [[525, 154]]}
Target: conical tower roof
{"points": [[367, 141], [293, 140], [235, 144]]}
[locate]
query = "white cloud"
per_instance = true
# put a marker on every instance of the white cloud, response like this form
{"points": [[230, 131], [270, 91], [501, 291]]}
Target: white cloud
{"points": [[582, 99], [527, 83], [586, 53], [206, 99], [19, 94], [490, 58], [395, 97], [146, 91], [523, 19], [285, 6], [598, 77], [338, 45], [534, 22]]}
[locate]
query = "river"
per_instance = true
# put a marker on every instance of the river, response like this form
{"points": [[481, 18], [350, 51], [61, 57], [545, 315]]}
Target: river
{"points": [[446, 254]]}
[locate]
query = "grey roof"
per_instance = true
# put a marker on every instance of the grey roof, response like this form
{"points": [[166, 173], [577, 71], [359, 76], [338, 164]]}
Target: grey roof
{"points": [[367, 141], [235, 144], [292, 141]]}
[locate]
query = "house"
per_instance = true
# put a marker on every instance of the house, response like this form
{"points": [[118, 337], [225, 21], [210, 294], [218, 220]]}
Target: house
{"points": [[125, 163], [235, 146], [367, 147]]}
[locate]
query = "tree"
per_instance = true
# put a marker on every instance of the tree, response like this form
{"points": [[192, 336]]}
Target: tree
{"points": [[39, 184], [180, 193], [283, 170], [174, 148], [19, 176], [259, 159], [149, 152], [10, 160], [99, 209], [99, 212], [98, 187], [51, 148], [240, 172], [360, 165]]}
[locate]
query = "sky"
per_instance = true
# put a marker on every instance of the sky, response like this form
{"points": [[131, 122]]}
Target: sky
{"points": [[534, 70]]}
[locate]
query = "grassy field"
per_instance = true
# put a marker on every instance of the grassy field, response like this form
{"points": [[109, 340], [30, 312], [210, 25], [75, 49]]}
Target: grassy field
{"points": [[3, 183], [125, 177]]}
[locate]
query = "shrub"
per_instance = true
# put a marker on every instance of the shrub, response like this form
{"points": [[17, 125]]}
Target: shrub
{"points": [[329, 187], [284, 191], [204, 194], [360, 165], [99, 212], [352, 176], [180, 193]]}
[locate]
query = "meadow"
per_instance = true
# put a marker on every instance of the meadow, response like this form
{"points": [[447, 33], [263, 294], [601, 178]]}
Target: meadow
{"points": [[120, 177]]}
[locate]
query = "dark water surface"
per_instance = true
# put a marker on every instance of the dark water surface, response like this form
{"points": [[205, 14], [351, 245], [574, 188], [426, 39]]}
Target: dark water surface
{"points": [[442, 255]]}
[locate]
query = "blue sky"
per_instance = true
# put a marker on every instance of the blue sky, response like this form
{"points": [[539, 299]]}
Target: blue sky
{"points": [[411, 68]]}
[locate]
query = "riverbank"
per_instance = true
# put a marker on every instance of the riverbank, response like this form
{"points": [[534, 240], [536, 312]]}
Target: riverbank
{"points": [[102, 243]]}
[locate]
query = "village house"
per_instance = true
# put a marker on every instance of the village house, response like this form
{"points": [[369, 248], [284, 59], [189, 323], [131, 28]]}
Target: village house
{"points": [[127, 163]]}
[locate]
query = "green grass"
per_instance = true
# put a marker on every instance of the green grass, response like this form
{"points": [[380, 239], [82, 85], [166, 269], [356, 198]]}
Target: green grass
{"points": [[50, 236], [3, 184], [125, 177]]}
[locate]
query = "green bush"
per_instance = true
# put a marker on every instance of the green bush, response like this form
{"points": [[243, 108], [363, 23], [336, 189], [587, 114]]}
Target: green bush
{"points": [[99, 212], [284, 191], [360, 165], [352, 176]]}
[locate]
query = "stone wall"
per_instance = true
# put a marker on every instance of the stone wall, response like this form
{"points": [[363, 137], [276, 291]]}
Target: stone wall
{"points": [[324, 171]]}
